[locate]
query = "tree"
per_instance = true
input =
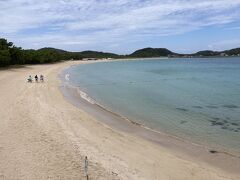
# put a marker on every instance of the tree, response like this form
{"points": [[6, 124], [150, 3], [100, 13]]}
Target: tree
{"points": [[5, 56], [4, 44], [16, 55]]}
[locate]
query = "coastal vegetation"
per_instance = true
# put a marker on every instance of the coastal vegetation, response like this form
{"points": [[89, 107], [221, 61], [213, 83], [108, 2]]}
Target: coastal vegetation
{"points": [[12, 55], [163, 52], [152, 52]]}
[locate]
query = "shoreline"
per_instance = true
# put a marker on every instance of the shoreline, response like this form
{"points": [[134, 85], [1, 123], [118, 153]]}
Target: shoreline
{"points": [[43, 136], [68, 90], [82, 100]]}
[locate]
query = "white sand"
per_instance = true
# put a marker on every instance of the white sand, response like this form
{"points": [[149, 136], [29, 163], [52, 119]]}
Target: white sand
{"points": [[42, 136]]}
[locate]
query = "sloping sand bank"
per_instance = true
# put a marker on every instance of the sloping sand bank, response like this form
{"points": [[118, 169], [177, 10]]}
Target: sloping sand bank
{"points": [[42, 136]]}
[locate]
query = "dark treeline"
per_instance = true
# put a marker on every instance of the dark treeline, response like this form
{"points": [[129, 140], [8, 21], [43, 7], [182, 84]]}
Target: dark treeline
{"points": [[12, 55]]}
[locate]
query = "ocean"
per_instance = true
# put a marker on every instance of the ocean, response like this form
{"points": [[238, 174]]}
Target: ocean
{"points": [[194, 99]]}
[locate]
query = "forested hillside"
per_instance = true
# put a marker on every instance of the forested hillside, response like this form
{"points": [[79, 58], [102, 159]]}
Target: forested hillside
{"points": [[11, 54]]}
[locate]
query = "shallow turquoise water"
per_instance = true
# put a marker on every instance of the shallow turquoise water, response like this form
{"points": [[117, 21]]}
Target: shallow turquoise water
{"points": [[196, 99]]}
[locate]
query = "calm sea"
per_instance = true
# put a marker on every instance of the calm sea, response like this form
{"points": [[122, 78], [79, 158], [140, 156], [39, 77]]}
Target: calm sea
{"points": [[195, 99]]}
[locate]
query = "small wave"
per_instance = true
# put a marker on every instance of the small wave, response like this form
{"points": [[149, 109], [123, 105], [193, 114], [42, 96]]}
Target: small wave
{"points": [[86, 97], [67, 77]]}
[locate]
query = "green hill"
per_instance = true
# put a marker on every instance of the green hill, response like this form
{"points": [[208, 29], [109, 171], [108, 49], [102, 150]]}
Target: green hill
{"points": [[232, 52], [96, 54], [152, 52], [207, 53]]}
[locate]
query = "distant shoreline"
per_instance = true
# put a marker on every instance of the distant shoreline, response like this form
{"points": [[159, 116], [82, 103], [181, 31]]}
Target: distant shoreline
{"points": [[13, 55]]}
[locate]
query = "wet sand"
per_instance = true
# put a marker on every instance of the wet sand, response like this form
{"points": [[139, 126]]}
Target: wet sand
{"points": [[181, 147], [43, 136]]}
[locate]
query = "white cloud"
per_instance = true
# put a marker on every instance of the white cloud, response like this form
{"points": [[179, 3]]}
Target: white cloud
{"points": [[83, 22]]}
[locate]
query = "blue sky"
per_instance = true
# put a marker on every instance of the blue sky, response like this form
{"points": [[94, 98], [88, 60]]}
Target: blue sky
{"points": [[122, 26]]}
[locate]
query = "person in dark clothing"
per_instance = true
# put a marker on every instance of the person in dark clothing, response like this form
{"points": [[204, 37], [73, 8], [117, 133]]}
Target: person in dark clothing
{"points": [[36, 78]]}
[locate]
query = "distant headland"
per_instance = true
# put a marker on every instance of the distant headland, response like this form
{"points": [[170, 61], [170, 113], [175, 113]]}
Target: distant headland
{"points": [[12, 55]]}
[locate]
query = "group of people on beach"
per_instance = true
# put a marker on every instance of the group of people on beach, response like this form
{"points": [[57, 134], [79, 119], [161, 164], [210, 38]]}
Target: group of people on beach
{"points": [[30, 79]]}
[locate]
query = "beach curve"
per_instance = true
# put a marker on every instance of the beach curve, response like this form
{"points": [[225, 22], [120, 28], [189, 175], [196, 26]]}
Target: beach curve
{"points": [[44, 137]]}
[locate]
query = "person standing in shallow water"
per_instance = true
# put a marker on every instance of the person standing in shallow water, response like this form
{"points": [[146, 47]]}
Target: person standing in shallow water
{"points": [[36, 78]]}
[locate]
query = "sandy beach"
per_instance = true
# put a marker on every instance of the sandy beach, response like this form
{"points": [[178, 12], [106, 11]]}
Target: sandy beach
{"points": [[43, 136]]}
